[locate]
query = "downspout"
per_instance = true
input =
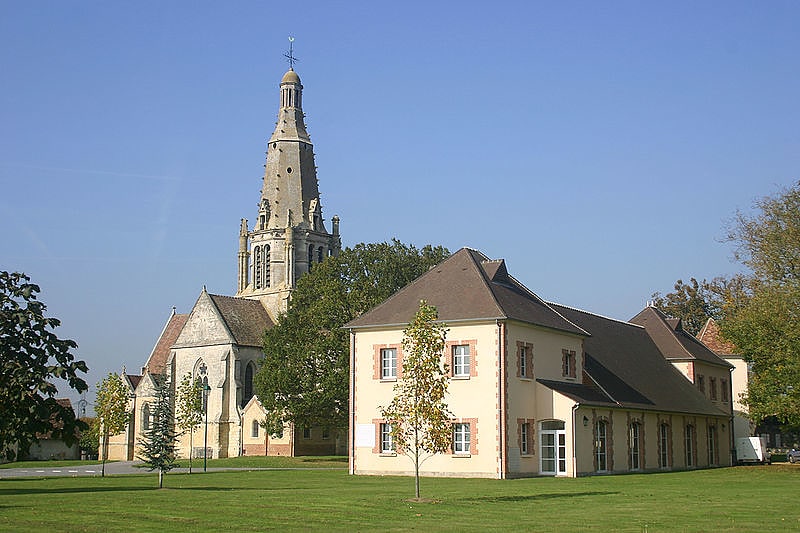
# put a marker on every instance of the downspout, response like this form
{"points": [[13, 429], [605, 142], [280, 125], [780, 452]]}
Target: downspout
{"points": [[501, 406], [352, 432], [731, 436], [574, 455]]}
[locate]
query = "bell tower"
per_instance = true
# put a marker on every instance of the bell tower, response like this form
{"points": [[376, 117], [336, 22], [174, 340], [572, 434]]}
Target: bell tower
{"points": [[289, 235]]}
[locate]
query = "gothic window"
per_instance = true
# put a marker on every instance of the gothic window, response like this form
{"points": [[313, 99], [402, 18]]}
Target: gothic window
{"points": [[146, 417], [254, 429], [248, 384], [320, 255], [310, 256], [261, 267], [266, 266]]}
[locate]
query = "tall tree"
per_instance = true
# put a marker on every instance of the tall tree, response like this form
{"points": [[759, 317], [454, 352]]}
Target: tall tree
{"points": [[32, 358], [694, 303], [111, 410], [158, 446], [189, 408], [304, 375], [418, 415], [761, 311]]}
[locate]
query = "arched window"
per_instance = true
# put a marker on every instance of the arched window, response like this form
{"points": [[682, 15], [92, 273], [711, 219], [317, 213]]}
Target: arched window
{"points": [[712, 445], [248, 384], [635, 445], [266, 266], [146, 417], [601, 446], [258, 264], [690, 445], [254, 429]]}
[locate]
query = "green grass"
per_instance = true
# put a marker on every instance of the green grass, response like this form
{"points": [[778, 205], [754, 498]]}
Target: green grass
{"points": [[49, 464], [730, 499]]}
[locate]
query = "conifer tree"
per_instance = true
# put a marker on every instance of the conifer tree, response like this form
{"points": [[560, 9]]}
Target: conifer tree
{"points": [[418, 416], [158, 448]]}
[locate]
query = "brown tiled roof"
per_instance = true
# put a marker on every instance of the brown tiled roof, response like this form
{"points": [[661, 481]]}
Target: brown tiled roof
{"points": [[711, 336], [157, 362], [626, 366], [134, 379], [467, 286], [246, 319], [673, 341]]}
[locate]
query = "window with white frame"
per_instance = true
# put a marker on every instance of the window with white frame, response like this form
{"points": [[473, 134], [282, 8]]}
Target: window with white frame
{"points": [[663, 446], [568, 363], [461, 438], [635, 445], [387, 442], [388, 363], [461, 360], [712, 445], [523, 361], [601, 446], [689, 446], [524, 437]]}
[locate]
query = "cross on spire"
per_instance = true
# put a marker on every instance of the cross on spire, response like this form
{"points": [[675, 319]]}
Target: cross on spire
{"points": [[289, 56]]}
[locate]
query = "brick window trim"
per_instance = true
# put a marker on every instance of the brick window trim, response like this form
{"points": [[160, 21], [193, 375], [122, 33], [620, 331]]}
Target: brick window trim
{"points": [[473, 435], [569, 357], [376, 360], [531, 436], [528, 360], [473, 356], [377, 448]]}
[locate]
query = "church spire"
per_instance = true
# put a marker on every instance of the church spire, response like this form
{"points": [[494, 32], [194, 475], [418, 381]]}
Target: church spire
{"points": [[289, 235]]}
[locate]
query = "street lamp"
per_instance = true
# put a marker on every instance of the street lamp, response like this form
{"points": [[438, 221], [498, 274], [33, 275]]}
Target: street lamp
{"points": [[206, 388]]}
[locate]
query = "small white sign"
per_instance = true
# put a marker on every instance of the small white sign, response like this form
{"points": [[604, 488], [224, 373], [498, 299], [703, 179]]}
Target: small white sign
{"points": [[365, 435]]}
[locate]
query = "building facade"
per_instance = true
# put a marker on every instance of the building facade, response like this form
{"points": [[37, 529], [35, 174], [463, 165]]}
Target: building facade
{"points": [[536, 388]]}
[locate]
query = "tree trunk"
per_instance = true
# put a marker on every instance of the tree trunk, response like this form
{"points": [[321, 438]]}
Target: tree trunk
{"points": [[191, 433], [104, 451], [160, 478]]}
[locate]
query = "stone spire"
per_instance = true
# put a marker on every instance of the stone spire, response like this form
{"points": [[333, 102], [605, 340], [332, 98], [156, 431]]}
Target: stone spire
{"points": [[289, 235]]}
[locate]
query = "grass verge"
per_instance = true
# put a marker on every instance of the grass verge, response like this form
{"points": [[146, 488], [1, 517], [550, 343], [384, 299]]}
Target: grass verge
{"points": [[727, 499]]}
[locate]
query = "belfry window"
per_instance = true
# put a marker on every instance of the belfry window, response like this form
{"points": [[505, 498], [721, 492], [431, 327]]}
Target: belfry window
{"points": [[310, 256], [261, 266], [320, 255]]}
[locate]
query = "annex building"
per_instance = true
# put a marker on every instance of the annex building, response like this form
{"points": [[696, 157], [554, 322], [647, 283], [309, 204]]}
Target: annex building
{"points": [[220, 340], [539, 388]]}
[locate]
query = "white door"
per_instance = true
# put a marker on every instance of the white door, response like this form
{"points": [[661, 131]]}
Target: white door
{"points": [[552, 448]]}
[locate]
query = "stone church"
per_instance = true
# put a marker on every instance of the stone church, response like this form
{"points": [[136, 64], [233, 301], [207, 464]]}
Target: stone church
{"points": [[220, 340]]}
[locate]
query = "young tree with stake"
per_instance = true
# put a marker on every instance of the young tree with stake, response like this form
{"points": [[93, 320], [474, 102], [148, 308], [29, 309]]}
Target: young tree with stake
{"points": [[111, 409]]}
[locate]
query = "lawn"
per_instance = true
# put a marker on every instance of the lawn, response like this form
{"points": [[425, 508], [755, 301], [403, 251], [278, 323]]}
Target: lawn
{"points": [[729, 499]]}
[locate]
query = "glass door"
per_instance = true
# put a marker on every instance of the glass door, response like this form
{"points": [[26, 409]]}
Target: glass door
{"points": [[552, 448]]}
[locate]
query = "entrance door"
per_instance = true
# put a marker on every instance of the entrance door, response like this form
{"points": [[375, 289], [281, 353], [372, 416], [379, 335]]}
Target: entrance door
{"points": [[552, 448]]}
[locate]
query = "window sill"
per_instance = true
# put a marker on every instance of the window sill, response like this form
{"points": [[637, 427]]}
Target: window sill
{"points": [[460, 377], [462, 455], [387, 454], [388, 380], [525, 378]]}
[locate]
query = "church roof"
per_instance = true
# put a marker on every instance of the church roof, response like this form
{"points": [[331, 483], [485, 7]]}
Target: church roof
{"points": [[467, 286], [673, 341], [157, 361], [246, 319], [625, 368]]}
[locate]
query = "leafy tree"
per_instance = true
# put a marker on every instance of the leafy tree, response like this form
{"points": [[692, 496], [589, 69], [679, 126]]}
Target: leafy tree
{"points": [[90, 438], [304, 375], [694, 303], [189, 408], [31, 358], [418, 415], [111, 409], [761, 310], [158, 446]]}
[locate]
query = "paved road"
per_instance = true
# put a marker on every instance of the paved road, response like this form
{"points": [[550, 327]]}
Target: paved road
{"points": [[117, 467]]}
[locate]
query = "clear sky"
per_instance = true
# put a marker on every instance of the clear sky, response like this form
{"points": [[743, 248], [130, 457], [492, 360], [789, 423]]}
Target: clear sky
{"points": [[599, 147]]}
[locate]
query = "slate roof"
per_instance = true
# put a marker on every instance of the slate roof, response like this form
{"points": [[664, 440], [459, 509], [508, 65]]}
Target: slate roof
{"points": [[626, 369], [246, 319], [157, 361], [467, 286], [134, 379], [673, 341]]}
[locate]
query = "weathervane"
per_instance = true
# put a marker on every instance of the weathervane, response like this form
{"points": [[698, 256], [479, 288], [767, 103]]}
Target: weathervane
{"points": [[289, 56]]}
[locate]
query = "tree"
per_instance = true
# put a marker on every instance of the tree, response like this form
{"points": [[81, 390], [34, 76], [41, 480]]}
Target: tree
{"points": [[32, 357], [694, 303], [90, 438], [304, 376], [189, 408], [111, 409], [158, 446], [761, 310], [418, 415]]}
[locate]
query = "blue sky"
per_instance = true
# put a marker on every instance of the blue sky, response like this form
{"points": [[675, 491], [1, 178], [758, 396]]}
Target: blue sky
{"points": [[599, 147]]}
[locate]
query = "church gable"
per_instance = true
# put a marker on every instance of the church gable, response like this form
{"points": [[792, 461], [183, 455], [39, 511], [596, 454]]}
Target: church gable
{"points": [[205, 325]]}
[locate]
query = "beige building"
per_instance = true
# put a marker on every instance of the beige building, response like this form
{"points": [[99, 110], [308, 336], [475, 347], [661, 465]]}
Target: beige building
{"points": [[536, 388], [220, 340]]}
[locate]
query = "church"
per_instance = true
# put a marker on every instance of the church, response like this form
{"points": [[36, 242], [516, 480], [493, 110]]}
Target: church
{"points": [[219, 341]]}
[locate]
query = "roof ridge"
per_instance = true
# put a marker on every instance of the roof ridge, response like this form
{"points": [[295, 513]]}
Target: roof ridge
{"points": [[584, 311]]}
